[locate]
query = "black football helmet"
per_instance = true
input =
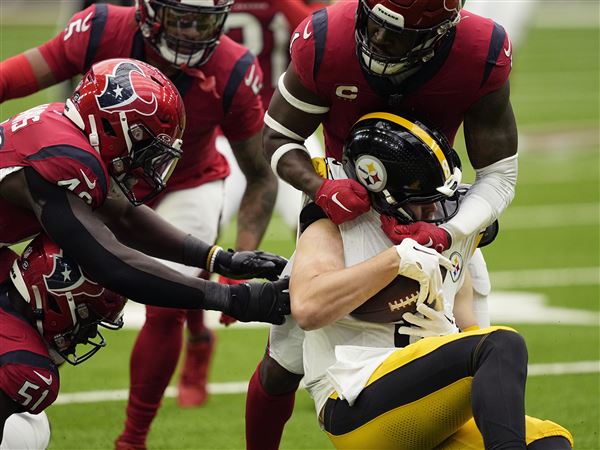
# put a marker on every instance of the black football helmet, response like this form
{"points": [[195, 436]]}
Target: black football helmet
{"points": [[401, 162]]}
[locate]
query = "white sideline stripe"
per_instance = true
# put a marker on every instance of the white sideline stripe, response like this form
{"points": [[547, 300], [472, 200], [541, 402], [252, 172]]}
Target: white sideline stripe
{"points": [[563, 368], [241, 387], [548, 216], [574, 276]]}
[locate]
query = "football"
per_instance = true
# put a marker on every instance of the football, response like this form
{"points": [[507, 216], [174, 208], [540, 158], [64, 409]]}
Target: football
{"points": [[388, 305]]}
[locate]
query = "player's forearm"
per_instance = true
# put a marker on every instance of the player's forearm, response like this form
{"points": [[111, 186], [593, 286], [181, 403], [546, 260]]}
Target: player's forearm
{"points": [[329, 296], [16, 78], [255, 211], [294, 166]]}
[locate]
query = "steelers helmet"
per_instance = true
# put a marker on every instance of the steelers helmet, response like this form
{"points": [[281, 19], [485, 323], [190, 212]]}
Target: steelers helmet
{"points": [[401, 162]]}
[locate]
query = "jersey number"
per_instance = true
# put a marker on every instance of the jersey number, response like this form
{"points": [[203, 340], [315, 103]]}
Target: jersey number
{"points": [[72, 185], [252, 38], [78, 26], [28, 396], [27, 117]]}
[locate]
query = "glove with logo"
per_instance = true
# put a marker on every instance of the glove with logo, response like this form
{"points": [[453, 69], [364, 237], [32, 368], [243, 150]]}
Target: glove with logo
{"points": [[224, 319], [244, 265], [423, 264], [261, 302], [433, 323], [342, 200], [426, 234]]}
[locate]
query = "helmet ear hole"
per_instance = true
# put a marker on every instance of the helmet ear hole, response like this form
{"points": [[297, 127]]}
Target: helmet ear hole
{"points": [[107, 127], [53, 304]]}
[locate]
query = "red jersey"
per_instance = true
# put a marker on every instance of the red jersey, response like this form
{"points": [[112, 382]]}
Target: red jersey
{"points": [[223, 92], [264, 28], [44, 139], [27, 374], [473, 62]]}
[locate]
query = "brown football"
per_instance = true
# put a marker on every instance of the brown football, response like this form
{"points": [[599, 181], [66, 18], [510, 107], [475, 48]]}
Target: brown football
{"points": [[391, 302]]}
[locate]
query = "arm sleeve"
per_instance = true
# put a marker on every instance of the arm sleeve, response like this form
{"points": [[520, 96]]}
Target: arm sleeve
{"points": [[243, 106], [108, 262], [488, 197], [16, 78]]}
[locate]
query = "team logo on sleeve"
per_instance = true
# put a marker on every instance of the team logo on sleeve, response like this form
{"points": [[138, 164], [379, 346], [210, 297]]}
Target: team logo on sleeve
{"points": [[119, 94], [66, 276], [457, 266]]}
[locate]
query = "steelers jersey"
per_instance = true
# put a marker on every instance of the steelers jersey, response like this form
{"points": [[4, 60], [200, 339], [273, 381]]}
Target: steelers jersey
{"points": [[363, 239]]}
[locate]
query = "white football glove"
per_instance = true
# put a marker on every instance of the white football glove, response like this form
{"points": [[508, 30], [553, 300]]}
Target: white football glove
{"points": [[423, 264], [433, 323]]}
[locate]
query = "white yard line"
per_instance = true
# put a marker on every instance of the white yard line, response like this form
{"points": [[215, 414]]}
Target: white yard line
{"points": [[550, 216], [539, 278], [581, 367]]}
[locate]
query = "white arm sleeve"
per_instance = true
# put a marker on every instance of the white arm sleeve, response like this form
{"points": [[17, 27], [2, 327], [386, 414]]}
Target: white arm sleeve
{"points": [[490, 194]]}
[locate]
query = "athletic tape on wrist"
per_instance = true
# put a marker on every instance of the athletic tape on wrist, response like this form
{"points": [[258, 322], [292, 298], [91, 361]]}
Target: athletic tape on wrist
{"points": [[285, 148], [274, 125], [297, 103]]}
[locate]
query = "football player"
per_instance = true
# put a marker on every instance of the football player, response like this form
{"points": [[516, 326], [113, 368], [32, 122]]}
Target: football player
{"points": [[77, 170], [371, 389], [265, 27], [50, 314], [219, 81], [443, 66]]}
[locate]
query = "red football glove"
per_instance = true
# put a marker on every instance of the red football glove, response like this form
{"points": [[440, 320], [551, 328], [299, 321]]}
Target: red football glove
{"points": [[342, 200], [426, 234], [224, 319]]}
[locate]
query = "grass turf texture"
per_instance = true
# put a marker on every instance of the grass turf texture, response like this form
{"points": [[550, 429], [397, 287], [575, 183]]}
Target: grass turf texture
{"points": [[548, 96]]}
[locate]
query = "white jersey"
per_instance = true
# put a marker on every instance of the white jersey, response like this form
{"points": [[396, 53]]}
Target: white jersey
{"points": [[362, 239]]}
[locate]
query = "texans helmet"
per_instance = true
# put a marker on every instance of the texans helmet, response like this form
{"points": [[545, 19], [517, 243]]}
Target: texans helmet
{"points": [[134, 117], [183, 32], [403, 165], [67, 307], [394, 36]]}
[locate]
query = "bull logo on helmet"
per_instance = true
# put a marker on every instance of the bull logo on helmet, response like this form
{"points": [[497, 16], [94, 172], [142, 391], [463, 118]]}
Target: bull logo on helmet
{"points": [[119, 94], [66, 276]]}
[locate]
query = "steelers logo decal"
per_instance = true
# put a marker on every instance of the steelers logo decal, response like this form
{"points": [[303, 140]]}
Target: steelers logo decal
{"points": [[371, 173], [457, 265]]}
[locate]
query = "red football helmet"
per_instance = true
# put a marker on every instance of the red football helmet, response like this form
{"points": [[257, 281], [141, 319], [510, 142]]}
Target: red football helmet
{"points": [[184, 32], [67, 307], [394, 36], [134, 117]]}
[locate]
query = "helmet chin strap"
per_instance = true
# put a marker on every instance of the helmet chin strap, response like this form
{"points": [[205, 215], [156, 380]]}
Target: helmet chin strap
{"points": [[93, 136], [125, 128]]}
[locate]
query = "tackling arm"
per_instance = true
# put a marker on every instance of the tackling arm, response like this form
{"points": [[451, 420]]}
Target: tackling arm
{"points": [[259, 197], [491, 138], [286, 128], [24, 74]]}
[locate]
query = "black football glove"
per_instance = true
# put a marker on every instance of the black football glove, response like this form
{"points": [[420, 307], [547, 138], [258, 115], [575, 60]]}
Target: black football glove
{"points": [[247, 264], [261, 302]]}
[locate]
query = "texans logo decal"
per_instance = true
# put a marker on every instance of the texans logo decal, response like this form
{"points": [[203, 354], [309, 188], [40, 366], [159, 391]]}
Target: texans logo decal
{"points": [[119, 94], [66, 276]]}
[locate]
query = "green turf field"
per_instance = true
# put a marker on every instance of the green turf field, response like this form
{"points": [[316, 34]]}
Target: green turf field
{"points": [[548, 244]]}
